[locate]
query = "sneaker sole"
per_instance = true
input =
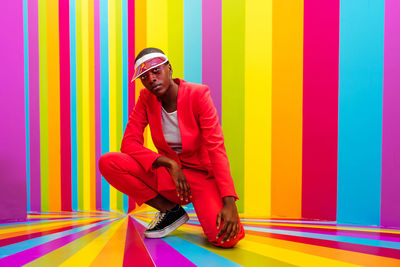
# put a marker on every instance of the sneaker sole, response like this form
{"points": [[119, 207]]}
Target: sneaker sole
{"points": [[167, 230]]}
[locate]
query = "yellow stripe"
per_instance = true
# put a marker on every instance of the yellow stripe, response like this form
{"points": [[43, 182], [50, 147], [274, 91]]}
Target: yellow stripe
{"points": [[287, 92], [85, 105], [87, 254], [258, 62], [113, 91], [53, 76], [175, 36], [157, 36]]}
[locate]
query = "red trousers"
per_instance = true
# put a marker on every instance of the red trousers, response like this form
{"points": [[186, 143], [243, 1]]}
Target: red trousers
{"points": [[125, 174]]}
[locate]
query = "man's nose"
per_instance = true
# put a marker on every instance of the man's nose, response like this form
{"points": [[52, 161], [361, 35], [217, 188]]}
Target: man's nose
{"points": [[152, 77]]}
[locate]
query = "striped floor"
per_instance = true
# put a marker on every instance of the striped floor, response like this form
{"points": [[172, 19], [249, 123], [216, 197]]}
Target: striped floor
{"points": [[112, 239]]}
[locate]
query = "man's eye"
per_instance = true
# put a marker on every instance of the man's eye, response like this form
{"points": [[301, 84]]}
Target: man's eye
{"points": [[155, 70], [143, 77]]}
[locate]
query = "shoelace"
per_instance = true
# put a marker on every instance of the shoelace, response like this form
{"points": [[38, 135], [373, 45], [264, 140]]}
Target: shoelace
{"points": [[156, 220]]}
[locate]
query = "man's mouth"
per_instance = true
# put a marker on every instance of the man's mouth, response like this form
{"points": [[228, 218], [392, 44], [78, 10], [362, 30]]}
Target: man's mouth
{"points": [[158, 86]]}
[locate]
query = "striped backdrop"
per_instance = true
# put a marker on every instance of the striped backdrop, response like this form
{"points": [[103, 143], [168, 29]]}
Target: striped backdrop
{"points": [[307, 93]]}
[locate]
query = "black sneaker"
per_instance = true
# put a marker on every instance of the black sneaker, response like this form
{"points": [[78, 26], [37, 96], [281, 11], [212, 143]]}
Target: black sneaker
{"points": [[166, 222]]}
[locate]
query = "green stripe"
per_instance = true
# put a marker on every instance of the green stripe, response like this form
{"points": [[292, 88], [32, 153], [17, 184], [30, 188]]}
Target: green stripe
{"points": [[79, 102], [44, 123], [233, 22], [119, 106], [175, 36]]}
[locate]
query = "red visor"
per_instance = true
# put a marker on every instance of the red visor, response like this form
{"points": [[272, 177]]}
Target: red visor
{"points": [[145, 65]]}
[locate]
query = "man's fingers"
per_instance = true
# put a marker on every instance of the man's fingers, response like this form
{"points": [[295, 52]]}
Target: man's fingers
{"points": [[218, 221], [227, 232], [223, 230]]}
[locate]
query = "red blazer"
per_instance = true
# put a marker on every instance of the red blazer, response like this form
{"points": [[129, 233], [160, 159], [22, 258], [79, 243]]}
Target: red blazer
{"points": [[201, 135]]}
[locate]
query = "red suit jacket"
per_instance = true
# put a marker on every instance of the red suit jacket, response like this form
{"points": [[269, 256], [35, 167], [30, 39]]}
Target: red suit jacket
{"points": [[201, 135]]}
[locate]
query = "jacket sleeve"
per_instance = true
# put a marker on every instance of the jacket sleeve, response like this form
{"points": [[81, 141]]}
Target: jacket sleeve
{"points": [[213, 139], [132, 142]]}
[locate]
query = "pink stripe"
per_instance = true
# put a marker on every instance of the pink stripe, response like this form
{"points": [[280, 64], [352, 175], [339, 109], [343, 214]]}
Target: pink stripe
{"points": [[320, 109], [131, 71], [390, 211], [135, 251], [65, 106], [211, 54], [162, 253], [97, 84], [34, 120]]}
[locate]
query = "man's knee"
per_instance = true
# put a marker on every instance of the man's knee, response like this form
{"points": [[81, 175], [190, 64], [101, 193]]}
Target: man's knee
{"points": [[105, 162], [227, 244]]}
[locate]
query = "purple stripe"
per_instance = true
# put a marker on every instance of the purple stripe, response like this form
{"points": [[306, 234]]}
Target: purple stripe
{"points": [[211, 54], [390, 209], [34, 121], [162, 253], [97, 98], [31, 254]]}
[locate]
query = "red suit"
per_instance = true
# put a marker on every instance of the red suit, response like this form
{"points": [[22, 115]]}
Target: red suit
{"points": [[203, 158]]}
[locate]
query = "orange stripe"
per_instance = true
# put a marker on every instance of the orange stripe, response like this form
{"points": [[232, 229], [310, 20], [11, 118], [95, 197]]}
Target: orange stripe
{"points": [[287, 97], [53, 76]]}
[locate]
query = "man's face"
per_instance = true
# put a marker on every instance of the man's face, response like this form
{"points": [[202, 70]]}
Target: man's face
{"points": [[157, 80]]}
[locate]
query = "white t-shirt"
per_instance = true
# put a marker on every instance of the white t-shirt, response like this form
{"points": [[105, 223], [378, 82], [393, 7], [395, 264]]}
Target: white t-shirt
{"points": [[170, 127]]}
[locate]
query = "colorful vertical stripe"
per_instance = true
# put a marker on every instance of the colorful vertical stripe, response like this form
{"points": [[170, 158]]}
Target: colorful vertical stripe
{"points": [[233, 90], [390, 212], [360, 111], [320, 113]]}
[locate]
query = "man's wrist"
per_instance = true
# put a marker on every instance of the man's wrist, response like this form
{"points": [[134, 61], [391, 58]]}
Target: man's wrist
{"points": [[228, 200]]}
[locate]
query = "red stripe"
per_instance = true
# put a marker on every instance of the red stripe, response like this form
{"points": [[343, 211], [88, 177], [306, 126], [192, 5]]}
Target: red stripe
{"points": [[131, 71], [135, 251], [65, 110]]}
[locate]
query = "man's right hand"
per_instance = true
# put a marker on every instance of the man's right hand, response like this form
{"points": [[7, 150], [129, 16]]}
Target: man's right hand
{"points": [[182, 186]]}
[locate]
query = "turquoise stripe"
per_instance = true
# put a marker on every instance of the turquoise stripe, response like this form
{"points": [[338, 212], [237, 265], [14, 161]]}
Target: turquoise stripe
{"points": [[30, 243], [125, 79], [104, 84], [360, 111], [26, 78], [192, 40], [74, 141]]}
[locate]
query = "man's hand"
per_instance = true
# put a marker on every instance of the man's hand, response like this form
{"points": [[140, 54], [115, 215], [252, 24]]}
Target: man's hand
{"points": [[230, 218], [182, 186]]}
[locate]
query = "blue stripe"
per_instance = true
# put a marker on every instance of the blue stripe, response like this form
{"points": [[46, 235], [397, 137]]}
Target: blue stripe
{"points": [[125, 79], [74, 134], [360, 111], [30, 243], [27, 140], [104, 84], [192, 40]]}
